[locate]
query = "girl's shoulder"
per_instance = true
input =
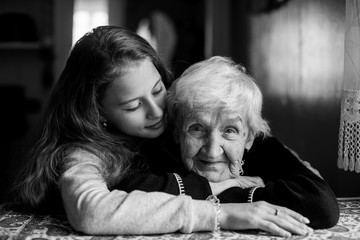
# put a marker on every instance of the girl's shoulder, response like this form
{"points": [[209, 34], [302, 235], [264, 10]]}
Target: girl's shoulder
{"points": [[80, 155], [79, 152]]}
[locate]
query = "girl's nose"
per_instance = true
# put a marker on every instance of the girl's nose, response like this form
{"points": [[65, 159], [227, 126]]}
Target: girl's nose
{"points": [[155, 109]]}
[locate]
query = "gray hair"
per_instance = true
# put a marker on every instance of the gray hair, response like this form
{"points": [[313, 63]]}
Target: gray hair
{"points": [[217, 84]]}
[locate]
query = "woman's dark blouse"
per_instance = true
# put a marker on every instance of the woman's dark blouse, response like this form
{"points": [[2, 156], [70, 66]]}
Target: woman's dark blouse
{"points": [[287, 181]]}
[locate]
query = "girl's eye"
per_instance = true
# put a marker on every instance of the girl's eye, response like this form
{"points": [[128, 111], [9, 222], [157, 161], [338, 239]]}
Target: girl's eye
{"points": [[158, 91], [133, 109]]}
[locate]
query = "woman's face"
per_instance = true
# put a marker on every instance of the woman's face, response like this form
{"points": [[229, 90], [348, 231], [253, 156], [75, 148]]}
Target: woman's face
{"points": [[134, 103], [213, 143]]}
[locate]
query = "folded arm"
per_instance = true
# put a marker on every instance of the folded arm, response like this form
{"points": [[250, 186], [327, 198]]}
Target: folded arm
{"points": [[190, 184], [89, 204], [288, 182]]}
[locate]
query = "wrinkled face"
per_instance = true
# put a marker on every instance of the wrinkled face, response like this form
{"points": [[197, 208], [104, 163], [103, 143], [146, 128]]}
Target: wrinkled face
{"points": [[213, 143], [134, 103]]}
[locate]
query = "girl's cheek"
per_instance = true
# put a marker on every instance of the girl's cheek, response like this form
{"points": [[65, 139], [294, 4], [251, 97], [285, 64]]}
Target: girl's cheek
{"points": [[162, 102]]}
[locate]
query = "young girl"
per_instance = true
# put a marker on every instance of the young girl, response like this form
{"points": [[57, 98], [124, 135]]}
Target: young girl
{"points": [[109, 97]]}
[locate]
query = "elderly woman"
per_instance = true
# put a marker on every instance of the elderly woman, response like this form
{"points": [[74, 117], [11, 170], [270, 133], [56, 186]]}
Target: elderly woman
{"points": [[215, 113]]}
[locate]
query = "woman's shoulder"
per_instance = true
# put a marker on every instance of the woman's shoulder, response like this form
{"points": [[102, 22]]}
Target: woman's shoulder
{"points": [[268, 142]]}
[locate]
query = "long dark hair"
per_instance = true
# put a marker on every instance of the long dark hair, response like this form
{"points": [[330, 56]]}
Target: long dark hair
{"points": [[72, 119]]}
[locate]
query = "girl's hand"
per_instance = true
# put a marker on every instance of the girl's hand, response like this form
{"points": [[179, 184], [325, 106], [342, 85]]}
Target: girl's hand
{"points": [[262, 215], [249, 182], [239, 181], [219, 187]]}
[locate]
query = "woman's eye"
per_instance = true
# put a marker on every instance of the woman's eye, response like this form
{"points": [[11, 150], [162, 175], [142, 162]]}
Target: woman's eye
{"points": [[133, 109], [231, 130], [195, 128]]}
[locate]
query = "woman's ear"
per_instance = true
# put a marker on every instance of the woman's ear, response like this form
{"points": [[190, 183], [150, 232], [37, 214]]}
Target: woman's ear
{"points": [[249, 141]]}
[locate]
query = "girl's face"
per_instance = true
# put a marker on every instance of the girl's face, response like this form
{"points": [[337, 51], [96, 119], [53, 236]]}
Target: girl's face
{"points": [[134, 103]]}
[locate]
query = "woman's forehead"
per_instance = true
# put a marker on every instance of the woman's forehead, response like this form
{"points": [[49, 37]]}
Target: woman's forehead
{"points": [[214, 117]]}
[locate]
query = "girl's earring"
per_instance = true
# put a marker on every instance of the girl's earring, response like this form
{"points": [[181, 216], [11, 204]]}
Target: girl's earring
{"points": [[104, 124]]}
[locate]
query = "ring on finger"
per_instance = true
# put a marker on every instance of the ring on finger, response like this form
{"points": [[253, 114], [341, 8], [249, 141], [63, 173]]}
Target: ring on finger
{"points": [[277, 211]]}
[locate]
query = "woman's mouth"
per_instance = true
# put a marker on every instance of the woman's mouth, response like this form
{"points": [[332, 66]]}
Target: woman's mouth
{"points": [[205, 163]]}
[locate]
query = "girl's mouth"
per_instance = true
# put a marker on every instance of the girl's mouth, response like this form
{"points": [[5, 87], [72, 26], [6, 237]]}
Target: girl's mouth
{"points": [[157, 125]]}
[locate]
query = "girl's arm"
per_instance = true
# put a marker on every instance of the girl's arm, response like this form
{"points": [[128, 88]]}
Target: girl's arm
{"points": [[93, 209], [190, 184]]}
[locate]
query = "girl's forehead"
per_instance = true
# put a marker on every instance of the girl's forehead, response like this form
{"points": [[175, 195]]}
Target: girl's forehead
{"points": [[136, 81]]}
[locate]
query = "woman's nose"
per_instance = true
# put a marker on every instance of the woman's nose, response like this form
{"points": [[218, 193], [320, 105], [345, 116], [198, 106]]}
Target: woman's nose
{"points": [[213, 147]]}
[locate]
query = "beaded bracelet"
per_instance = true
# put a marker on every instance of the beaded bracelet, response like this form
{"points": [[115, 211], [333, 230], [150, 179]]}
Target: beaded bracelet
{"points": [[251, 194], [214, 200]]}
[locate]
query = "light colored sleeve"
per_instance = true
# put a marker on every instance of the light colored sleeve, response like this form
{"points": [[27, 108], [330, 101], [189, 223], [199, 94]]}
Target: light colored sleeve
{"points": [[93, 209]]}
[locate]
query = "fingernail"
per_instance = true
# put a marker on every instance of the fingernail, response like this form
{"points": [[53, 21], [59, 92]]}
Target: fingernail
{"points": [[287, 235], [305, 220], [307, 229]]}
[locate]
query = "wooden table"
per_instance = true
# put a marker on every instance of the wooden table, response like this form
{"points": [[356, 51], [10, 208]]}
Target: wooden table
{"points": [[15, 224]]}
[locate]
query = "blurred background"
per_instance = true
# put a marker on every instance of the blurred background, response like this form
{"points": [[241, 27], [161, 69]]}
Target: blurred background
{"points": [[293, 48]]}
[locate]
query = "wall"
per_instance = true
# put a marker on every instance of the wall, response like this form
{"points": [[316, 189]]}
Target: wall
{"points": [[296, 52], [26, 76], [176, 23]]}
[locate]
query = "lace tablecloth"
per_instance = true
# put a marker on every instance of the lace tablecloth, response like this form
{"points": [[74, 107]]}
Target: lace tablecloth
{"points": [[15, 224]]}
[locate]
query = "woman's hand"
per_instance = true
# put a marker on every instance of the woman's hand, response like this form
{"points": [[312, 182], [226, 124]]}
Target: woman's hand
{"points": [[239, 181], [265, 216]]}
